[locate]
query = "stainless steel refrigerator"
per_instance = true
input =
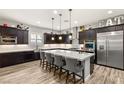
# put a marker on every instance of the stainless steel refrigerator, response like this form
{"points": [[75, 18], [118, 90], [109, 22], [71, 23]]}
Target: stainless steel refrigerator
{"points": [[110, 49]]}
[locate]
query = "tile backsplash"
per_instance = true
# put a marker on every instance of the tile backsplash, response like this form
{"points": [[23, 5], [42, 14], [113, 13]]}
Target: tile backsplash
{"points": [[13, 47]]}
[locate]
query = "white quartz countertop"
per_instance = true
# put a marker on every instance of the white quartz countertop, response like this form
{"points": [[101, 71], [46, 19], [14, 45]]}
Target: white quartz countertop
{"points": [[71, 54], [53, 48], [17, 50]]}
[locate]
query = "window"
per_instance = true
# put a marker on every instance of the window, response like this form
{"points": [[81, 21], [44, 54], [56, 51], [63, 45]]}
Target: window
{"points": [[36, 40]]}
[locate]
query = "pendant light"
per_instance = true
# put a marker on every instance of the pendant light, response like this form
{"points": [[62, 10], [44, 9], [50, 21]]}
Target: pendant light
{"points": [[70, 36], [52, 30], [60, 37]]}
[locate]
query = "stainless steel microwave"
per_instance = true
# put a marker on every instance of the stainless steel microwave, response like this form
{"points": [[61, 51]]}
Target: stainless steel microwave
{"points": [[8, 40], [90, 44]]}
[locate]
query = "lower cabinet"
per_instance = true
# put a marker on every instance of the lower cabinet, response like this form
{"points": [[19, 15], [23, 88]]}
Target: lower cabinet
{"points": [[37, 55], [92, 59], [8, 59]]}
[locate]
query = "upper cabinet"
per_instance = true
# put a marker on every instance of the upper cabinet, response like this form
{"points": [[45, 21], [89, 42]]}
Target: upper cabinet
{"points": [[65, 39], [9, 34], [91, 33], [87, 35]]}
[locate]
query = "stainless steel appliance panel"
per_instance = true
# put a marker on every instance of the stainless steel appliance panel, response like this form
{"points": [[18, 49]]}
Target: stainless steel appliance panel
{"points": [[115, 49], [8, 40], [101, 49], [110, 49]]}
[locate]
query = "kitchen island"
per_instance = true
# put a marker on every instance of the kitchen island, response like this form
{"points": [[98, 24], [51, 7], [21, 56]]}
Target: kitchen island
{"points": [[85, 58]]}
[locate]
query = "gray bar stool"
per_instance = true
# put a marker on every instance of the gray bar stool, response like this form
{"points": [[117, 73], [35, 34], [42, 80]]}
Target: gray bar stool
{"points": [[58, 63], [49, 61], [42, 58], [74, 67]]}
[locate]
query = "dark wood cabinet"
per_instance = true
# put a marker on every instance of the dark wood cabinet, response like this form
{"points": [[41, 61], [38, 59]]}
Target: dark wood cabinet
{"points": [[119, 27], [25, 37], [65, 39], [8, 59], [92, 59], [22, 35], [87, 35], [7, 31], [37, 55], [82, 36], [91, 33]]}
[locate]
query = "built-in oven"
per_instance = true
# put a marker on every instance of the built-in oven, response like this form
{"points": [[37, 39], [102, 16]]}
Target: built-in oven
{"points": [[89, 45], [8, 40]]}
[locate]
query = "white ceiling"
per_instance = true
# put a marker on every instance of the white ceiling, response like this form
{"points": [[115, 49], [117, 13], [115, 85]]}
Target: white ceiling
{"points": [[32, 16]]}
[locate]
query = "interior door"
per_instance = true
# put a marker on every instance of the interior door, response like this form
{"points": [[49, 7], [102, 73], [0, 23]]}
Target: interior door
{"points": [[115, 49], [101, 48]]}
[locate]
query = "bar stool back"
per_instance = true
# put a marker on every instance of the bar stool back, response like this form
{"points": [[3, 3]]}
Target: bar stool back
{"points": [[74, 66], [42, 58], [49, 61], [59, 63]]}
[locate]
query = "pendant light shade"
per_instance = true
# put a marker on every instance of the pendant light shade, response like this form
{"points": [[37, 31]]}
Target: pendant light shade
{"points": [[70, 36], [52, 30], [53, 38], [60, 37]]}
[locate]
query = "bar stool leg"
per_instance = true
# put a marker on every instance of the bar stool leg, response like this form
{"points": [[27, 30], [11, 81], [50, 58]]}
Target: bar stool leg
{"points": [[60, 73], [43, 63], [40, 62], [46, 65], [50, 68], [55, 71], [67, 77], [83, 77], [74, 80]]}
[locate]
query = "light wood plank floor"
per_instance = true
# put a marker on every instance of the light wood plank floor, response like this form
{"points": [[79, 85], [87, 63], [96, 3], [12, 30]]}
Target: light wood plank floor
{"points": [[31, 73]]}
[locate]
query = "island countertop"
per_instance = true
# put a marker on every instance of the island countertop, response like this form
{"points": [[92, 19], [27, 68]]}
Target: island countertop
{"points": [[71, 54]]}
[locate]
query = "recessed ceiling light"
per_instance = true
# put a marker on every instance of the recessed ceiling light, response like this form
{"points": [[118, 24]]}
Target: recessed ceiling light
{"points": [[75, 22], [110, 12], [55, 12], [38, 22]]}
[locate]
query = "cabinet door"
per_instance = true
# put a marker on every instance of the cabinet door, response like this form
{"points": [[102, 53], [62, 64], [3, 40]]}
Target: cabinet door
{"points": [[91, 35], [28, 56], [7, 31], [11, 31], [8, 59], [1, 31], [115, 50], [82, 36], [25, 37], [91, 64], [119, 27], [20, 37]]}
